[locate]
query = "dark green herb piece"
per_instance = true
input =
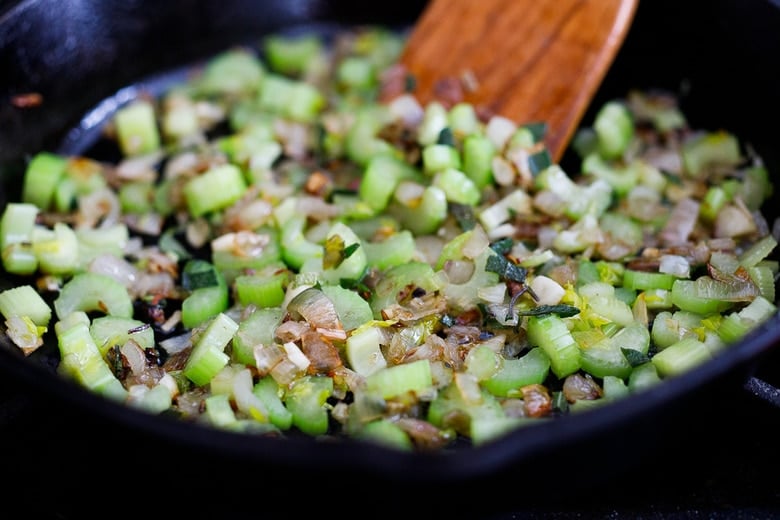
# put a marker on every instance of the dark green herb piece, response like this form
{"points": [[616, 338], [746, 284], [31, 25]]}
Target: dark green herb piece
{"points": [[562, 310], [634, 357], [502, 246], [506, 269], [464, 215], [539, 161]]}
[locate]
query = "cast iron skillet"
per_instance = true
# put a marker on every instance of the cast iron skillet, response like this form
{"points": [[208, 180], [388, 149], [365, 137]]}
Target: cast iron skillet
{"points": [[718, 55]]}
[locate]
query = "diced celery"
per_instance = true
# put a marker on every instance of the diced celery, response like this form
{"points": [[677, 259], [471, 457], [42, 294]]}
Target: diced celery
{"points": [[256, 329], [270, 393], [208, 357], [93, 292], [136, 128], [214, 189], [41, 177], [681, 357], [386, 433], [306, 399], [399, 379], [550, 332], [531, 368], [364, 353], [108, 331], [24, 300]]}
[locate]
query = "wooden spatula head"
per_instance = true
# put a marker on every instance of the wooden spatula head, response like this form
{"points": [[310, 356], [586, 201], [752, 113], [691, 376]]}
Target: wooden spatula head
{"points": [[528, 60]]}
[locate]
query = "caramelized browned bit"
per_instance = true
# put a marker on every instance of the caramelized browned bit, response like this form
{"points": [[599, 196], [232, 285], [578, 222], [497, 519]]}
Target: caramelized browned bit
{"points": [[537, 400], [27, 100], [323, 354], [578, 387], [319, 184], [423, 434]]}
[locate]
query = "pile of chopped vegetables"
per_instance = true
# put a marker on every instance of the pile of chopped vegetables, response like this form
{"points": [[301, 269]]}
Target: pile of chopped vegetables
{"points": [[290, 242]]}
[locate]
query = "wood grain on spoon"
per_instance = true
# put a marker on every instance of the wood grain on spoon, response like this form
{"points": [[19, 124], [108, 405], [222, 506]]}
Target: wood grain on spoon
{"points": [[531, 61]]}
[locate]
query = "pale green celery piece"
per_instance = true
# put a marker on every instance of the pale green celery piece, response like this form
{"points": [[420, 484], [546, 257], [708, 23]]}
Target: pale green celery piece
{"points": [[396, 279], [434, 121], [549, 331], [256, 329], [739, 323], [644, 280], [236, 71], [356, 72], [352, 267], [453, 249], [93, 242], [16, 230], [88, 175], [362, 143], [614, 128], [305, 103], [93, 292], [583, 234], [231, 264], [657, 299], [681, 357], [702, 296], [155, 400], [622, 178], [381, 177], [516, 202], [399, 379], [670, 327], [204, 303], [478, 153], [56, 249], [136, 196], [270, 394], [764, 278], [457, 187], [386, 433], [219, 410], [624, 230], [24, 300], [758, 251], [714, 200], [426, 217], [643, 377], [465, 296], [705, 150], [605, 357], [396, 249], [179, 118], [462, 120], [592, 198], [136, 128], [483, 362], [41, 177], [306, 399], [214, 189], [108, 331], [614, 387], [353, 311], [295, 249], [81, 358], [439, 157], [532, 367], [756, 187], [262, 289], [208, 357], [364, 352], [291, 55]]}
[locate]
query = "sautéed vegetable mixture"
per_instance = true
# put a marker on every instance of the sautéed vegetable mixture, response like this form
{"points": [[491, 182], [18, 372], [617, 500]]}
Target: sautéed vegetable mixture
{"points": [[288, 241]]}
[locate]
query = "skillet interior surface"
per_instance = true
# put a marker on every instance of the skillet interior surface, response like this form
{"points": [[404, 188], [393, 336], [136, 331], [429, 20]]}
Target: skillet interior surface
{"points": [[716, 55]]}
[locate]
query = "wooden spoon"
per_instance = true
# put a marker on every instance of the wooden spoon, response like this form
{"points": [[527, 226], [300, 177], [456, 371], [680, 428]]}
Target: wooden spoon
{"points": [[531, 61]]}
